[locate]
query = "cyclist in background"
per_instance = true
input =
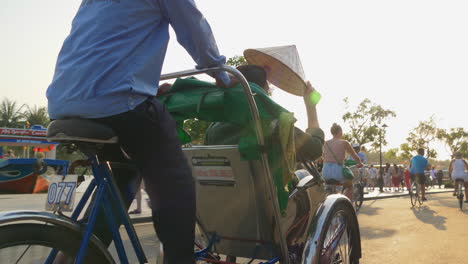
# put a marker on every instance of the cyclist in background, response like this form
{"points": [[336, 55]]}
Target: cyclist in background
{"points": [[108, 71], [457, 169], [417, 166]]}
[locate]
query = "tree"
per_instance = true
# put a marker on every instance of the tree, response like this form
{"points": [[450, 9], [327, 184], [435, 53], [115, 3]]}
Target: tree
{"points": [[36, 116], [365, 123], [422, 136], [236, 61], [455, 139], [10, 114], [196, 129]]}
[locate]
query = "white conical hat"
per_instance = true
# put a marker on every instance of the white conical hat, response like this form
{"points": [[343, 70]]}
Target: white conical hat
{"points": [[283, 67]]}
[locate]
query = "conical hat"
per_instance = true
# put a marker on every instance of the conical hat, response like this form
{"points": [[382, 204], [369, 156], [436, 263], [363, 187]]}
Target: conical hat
{"points": [[283, 67]]}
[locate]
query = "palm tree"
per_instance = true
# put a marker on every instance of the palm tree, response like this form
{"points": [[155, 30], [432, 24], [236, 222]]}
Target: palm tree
{"points": [[36, 116], [10, 114]]}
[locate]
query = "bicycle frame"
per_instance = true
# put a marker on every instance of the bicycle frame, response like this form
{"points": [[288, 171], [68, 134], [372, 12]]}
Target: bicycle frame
{"points": [[106, 191]]}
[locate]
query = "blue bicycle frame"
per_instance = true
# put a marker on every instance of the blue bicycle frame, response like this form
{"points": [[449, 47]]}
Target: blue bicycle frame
{"points": [[106, 191]]}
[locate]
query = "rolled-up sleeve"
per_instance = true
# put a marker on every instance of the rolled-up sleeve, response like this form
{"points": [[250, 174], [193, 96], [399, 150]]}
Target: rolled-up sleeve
{"points": [[194, 34], [309, 145]]}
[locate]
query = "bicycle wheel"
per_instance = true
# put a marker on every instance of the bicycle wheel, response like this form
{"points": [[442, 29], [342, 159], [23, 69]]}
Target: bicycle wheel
{"points": [[32, 243], [460, 196], [340, 241], [418, 193], [358, 196], [413, 195]]}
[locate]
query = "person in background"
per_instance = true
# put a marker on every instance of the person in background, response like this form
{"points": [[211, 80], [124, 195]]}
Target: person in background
{"points": [[417, 166], [357, 149], [10, 155], [334, 151], [407, 176], [395, 174], [387, 177], [457, 169], [440, 176], [372, 176], [432, 173]]}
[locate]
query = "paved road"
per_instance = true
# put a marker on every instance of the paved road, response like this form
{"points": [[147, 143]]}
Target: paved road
{"points": [[393, 232]]}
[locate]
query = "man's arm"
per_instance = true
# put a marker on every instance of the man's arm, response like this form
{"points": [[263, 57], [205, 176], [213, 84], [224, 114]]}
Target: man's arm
{"points": [[312, 118], [194, 34]]}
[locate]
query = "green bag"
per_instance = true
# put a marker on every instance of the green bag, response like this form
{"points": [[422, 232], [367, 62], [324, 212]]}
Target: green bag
{"points": [[347, 173]]}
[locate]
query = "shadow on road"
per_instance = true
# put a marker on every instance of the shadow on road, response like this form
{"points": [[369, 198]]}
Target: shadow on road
{"points": [[452, 202], [367, 208], [426, 215], [374, 233]]}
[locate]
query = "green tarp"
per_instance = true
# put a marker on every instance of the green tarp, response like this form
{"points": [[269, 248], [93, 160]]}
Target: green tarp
{"points": [[191, 98]]}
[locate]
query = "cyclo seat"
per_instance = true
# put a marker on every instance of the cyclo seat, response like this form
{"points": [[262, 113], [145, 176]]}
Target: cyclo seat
{"points": [[80, 130], [333, 182]]}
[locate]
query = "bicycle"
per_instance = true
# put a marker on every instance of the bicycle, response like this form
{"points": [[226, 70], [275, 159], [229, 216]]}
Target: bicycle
{"points": [[358, 191], [415, 193], [460, 194], [333, 186]]}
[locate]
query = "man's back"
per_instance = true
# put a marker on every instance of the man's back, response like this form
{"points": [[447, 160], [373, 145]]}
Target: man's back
{"points": [[418, 164], [112, 59]]}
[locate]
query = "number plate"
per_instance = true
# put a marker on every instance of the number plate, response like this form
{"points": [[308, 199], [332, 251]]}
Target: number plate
{"points": [[61, 193]]}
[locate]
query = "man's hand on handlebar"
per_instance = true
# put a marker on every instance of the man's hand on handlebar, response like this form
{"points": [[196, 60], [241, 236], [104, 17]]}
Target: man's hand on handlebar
{"points": [[220, 83]]}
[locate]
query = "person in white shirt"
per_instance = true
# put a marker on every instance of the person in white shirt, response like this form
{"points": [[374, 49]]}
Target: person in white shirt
{"points": [[457, 169], [372, 176]]}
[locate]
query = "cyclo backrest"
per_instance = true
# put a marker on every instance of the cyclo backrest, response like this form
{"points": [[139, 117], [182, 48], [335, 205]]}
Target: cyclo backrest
{"points": [[232, 201], [85, 133]]}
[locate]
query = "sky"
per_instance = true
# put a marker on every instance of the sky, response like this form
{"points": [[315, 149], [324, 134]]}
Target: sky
{"points": [[409, 56]]}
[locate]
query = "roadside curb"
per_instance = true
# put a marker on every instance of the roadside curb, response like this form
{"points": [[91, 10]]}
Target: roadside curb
{"points": [[142, 219], [398, 195]]}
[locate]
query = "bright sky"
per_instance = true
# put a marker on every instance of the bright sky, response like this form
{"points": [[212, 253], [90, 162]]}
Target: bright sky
{"points": [[410, 56]]}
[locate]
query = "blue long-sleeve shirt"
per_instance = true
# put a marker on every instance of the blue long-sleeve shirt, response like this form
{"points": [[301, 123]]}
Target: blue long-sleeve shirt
{"points": [[111, 61]]}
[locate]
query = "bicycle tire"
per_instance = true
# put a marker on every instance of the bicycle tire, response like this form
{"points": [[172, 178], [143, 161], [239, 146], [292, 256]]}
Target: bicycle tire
{"points": [[352, 234], [460, 196], [50, 236], [412, 193], [358, 196], [419, 193]]}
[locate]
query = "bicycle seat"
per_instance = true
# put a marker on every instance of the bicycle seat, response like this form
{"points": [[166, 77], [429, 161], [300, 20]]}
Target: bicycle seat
{"points": [[81, 130], [333, 182]]}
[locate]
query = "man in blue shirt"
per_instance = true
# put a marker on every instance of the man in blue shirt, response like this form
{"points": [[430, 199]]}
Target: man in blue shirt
{"points": [[417, 166], [108, 70]]}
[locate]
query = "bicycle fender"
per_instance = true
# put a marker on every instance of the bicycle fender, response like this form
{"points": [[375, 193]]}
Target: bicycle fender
{"points": [[12, 217], [311, 252]]}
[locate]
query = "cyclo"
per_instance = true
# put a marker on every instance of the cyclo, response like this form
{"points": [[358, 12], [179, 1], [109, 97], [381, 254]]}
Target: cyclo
{"points": [[238, 207]]}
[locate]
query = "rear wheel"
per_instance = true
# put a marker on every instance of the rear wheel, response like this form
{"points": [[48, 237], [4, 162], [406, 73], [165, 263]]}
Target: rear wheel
{"points": [[32, 243], [460, 195], [358, 196], [413, 194], [340, 242], [418, 194]]}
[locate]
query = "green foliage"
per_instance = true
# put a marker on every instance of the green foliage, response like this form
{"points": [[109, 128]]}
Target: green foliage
{"points": [[365, 123], [236, 61], [197, 130], [406, 151], [422, 136], [10, 114], [455, 139], [36, 116]]}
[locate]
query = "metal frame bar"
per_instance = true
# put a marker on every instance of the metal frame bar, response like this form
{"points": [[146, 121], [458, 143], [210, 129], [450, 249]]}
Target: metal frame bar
{"points": [[260, 141]]}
